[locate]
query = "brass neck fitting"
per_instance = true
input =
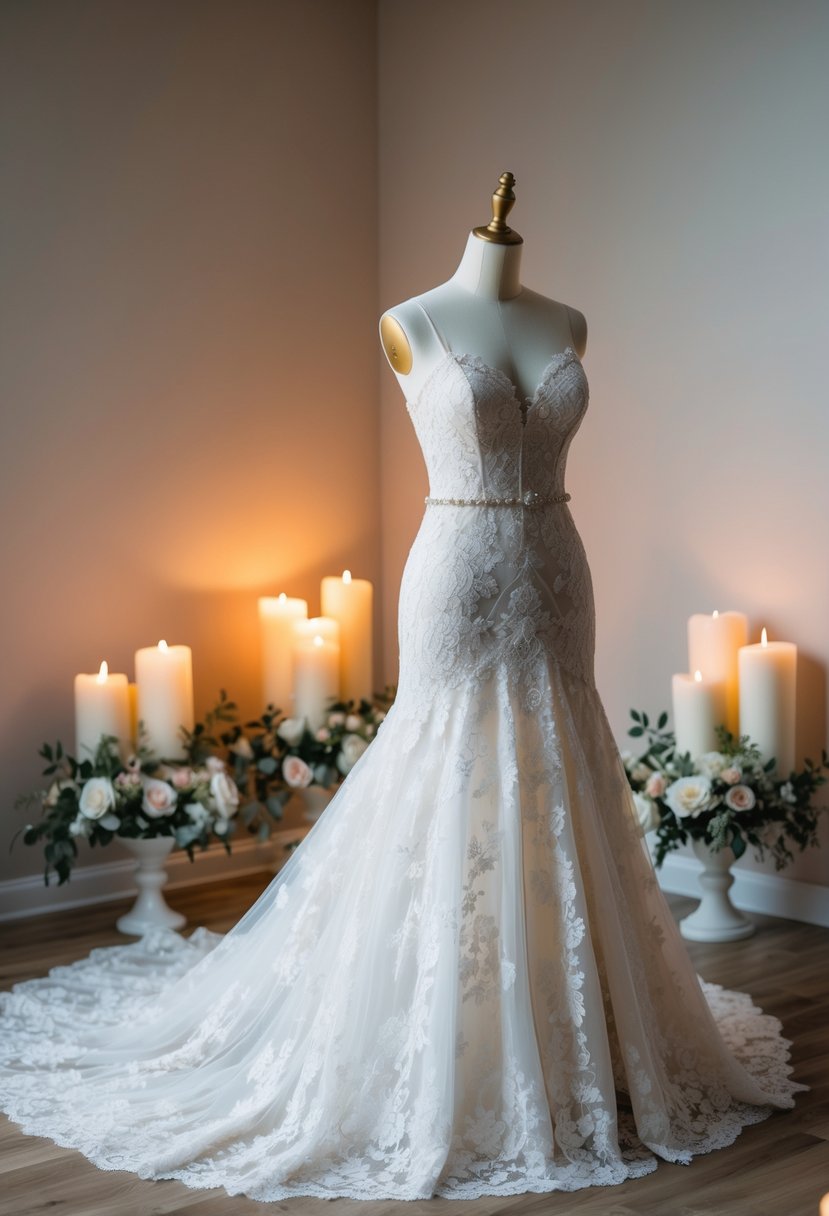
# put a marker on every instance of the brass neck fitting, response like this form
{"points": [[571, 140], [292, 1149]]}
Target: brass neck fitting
{"points": [[503, 201]]}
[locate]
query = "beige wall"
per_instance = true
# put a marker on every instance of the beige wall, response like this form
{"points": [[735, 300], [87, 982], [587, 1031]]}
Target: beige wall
{"points": [[188, 369], [672, 184]]}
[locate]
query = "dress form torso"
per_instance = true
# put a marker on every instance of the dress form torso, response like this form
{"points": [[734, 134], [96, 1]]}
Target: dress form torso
{"points": [[483, 310]]}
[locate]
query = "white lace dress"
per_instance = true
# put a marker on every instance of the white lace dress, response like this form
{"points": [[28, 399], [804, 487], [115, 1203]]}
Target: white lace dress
{"points": [[465, 981]]}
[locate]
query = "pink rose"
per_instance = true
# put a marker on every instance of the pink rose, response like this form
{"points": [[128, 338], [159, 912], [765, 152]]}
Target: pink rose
{"points": [[731, 775], [160, 799], [740, 798], [182, 777], [296, 772], [655, 785]]}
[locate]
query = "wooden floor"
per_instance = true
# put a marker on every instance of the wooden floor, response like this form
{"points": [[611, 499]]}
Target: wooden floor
{"points": [[776, 1168]]}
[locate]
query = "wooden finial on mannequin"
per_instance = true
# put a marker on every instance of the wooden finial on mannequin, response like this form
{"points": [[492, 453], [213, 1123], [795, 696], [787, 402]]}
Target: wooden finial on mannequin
{"points": [[503, 201]]}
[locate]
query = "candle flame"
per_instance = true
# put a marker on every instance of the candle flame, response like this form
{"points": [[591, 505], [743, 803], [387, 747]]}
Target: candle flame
{"points": [[715, 612], [346, 576], [103, 672], [764, 638], [698, 677], [282, 597], [162, 645], [319, 641]]}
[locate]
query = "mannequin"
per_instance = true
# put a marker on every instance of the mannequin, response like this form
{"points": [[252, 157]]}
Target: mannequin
{"points": [[483, 309]]}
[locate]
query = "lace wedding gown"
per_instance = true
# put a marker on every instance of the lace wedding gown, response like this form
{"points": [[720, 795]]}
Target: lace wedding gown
{"points": [[465, 981]]}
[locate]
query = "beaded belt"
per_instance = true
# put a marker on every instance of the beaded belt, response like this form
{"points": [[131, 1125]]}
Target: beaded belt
{"points": [[530, 500]]}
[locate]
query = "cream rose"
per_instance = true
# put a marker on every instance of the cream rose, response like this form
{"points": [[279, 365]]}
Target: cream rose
{"points": [[336, 719], [351, 751], [242, 748], [656, 785], [689, 796], [291, 731], [214, 765], [296, 772], [641, 772], [225, 794], [160, 799], [353, 722], [712, 764], [740, 798], [647, 813], [732, 774], [97, 798]]}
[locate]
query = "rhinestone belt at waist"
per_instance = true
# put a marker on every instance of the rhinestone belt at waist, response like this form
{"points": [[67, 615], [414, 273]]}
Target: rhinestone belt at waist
{"points": [[530, 500]]}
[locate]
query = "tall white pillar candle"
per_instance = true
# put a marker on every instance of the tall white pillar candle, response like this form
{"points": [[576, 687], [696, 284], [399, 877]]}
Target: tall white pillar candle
{"points": [[277, 617], [713, 643], [350, 602], [768, 690], [102, 707], [316, 678], [699, 705], [164, 675]]}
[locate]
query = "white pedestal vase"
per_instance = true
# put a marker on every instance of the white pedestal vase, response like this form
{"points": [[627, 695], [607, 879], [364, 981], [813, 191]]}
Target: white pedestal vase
{"points": [[716, 919], [150, 910]]}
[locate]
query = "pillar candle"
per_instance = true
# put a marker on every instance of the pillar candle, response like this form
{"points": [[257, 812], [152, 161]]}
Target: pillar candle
{"points": [[350, 602], [768, 688], [277, 617], [101, 708], [713, 643], [699, 705], [164, 675], [316, 677]]}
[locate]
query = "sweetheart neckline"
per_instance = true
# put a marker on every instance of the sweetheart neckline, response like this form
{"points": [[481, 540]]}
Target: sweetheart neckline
{"points": [[521, 402]]}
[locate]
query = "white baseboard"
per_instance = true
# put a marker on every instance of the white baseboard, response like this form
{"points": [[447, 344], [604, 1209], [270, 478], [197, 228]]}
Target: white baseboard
{"points": [[112, 880], [753, 891], [770, 894]]}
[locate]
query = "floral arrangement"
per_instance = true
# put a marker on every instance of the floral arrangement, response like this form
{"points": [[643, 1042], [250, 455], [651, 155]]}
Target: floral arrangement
{"points": [[729, 797], [198, 798], [141, 798], [275, 756]]}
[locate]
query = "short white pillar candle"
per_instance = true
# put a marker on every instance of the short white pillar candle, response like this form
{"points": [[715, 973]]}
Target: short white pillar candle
{"points": [[316, 677], [699, 707], [102, 707], [768, 691]]}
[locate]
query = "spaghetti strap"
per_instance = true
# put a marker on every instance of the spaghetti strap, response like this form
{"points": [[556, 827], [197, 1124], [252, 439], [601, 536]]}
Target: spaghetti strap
{"points": [[432, 326]]}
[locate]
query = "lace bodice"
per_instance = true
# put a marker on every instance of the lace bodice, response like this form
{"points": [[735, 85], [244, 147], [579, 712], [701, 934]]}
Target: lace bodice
{"points": [[480, 439]]}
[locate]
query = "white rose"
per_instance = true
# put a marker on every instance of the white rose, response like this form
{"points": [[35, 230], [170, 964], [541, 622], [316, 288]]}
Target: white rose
{"points": [[787, 793], [336, 719], [647, 813], [732, 774], [740, 798], [641, 772], [97, 798], [225, 794], [214, 765], [160, 799], [80, 826], [55, 790], [291, 730], [351, 751], [379, 717], [353, 722], [296, 772], [712, 764], [689, 796]]}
